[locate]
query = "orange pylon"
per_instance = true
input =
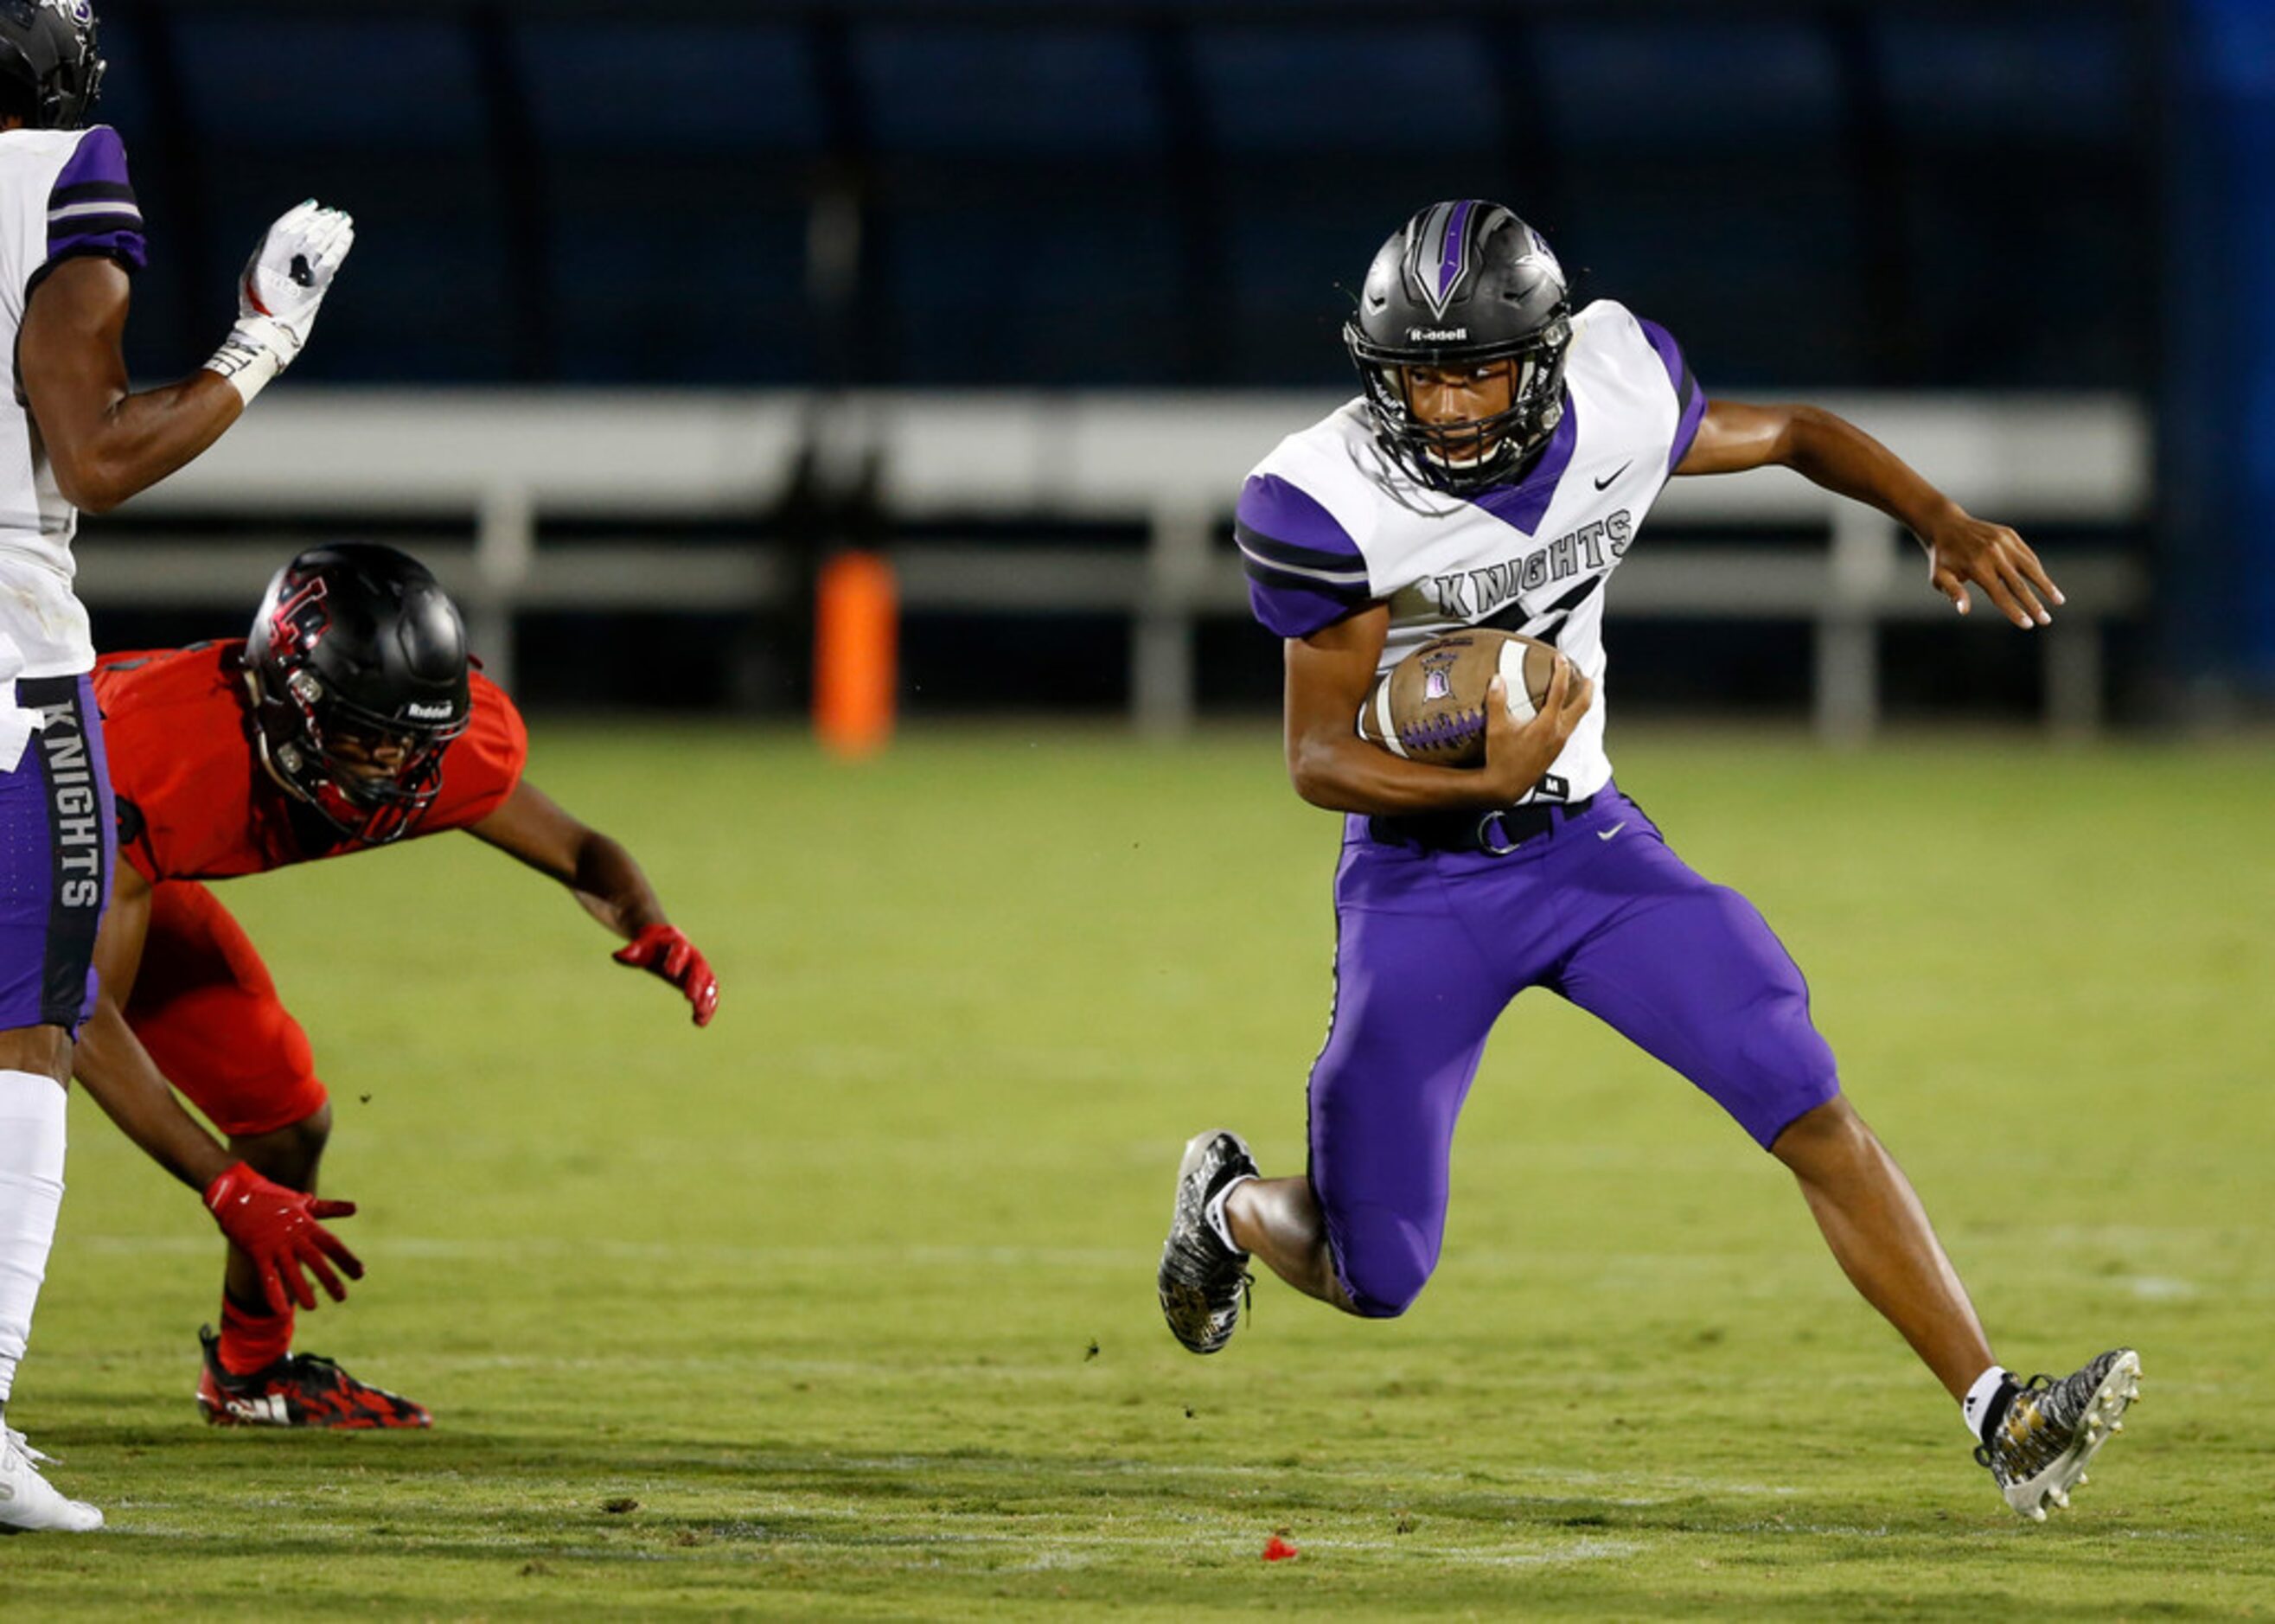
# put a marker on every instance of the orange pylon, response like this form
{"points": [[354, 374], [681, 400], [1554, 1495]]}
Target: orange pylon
{"points": [[856, 653]]}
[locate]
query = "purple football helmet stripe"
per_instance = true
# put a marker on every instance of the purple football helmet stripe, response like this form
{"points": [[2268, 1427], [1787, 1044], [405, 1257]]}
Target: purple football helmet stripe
{"points": [[1453, 257]]}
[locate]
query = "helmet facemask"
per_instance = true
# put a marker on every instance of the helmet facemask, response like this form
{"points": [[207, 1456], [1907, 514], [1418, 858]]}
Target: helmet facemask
{"points": [[325, 749], [1472, 454]]}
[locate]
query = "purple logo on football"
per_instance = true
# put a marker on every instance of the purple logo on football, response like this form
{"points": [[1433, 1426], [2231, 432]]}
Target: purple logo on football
{"points": [[1437, 683]]}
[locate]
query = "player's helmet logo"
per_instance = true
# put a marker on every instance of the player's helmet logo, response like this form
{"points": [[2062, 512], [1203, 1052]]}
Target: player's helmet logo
{"points": [[358, 667], [50, 66], [1461, 284], [297, 623]]}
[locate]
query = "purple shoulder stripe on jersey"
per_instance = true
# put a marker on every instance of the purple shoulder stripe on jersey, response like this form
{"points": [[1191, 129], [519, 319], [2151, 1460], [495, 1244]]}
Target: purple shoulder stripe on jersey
{"points": [[1522, 504], [1303, 569], [1690, 399], [92, 210], [100, 155]]}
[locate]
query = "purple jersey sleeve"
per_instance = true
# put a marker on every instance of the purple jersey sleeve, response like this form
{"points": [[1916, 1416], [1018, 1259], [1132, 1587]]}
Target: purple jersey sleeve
{"points": [[92, 208], [1303, 570], [1690, 399]]}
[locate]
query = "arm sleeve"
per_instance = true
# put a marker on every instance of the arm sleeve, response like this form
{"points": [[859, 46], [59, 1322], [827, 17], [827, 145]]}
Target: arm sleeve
{"points": [[91, 209], [1690, 399], [1303, 569]]}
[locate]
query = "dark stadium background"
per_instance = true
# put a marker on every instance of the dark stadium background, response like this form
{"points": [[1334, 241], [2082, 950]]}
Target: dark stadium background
{"points": [[1170, 195]]}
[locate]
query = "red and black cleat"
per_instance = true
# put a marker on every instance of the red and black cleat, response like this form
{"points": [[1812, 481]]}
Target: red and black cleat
{"points": [[299, 1390]]}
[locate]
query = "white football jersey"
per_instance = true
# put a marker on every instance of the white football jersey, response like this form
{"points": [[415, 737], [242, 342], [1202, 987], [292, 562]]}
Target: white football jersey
{"points": [[1330, 523], [62, 193]]}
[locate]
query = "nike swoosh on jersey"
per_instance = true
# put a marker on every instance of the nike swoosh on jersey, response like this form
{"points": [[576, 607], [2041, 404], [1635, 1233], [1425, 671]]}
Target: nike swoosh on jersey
{"points": [[1615, 829], [1616, 474]]}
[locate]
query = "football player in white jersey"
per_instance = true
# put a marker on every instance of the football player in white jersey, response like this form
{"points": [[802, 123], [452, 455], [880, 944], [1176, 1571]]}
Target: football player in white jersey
{"points": [[1493, 472], [74, 437]]}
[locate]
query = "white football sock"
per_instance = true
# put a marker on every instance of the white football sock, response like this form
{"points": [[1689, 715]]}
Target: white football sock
{"points": [[31, 1193], [1975, 1408], [1214, 1211]]}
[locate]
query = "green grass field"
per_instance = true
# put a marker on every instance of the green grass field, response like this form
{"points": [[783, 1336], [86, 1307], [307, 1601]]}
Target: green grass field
{"points": [[845, 1307]]}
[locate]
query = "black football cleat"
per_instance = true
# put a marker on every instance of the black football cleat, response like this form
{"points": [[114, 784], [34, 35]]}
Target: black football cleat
{"points": [[298, 1390], [2051, 1430], [1202, 1280]]}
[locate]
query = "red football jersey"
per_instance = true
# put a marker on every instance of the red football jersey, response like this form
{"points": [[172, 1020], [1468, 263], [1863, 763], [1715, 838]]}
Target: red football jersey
{"points": [[195, 803]]}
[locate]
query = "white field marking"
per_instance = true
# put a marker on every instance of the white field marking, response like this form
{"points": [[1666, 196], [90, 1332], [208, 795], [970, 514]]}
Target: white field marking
{"points": [[2161, 1287], [2121, 1237]]}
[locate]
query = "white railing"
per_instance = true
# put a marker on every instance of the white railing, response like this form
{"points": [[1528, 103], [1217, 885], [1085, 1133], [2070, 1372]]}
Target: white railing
{"points": [[505, 460]]}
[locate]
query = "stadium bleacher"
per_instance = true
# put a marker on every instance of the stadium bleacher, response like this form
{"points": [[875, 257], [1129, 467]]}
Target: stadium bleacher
{"points": [[1164, 193]]}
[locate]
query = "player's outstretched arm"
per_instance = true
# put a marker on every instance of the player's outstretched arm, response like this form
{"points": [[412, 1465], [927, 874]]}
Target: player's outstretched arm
{"points": [[530, 825], [1833, 452], [1328, 675], [107, 443], [280, 1229]]}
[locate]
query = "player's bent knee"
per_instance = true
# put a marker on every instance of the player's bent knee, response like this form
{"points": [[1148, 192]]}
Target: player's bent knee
{"points": [[313, 1131], [290, 1153], [1788, 1069], [1383, 1263], [1831, 1131]]}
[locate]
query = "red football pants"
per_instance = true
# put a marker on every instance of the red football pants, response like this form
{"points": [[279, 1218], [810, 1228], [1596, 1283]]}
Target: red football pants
{"points": [[205, 1007]]}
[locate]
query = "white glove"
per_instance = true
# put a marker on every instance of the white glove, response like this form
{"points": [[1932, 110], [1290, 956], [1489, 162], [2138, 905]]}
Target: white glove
{"points": [[283, 286]]}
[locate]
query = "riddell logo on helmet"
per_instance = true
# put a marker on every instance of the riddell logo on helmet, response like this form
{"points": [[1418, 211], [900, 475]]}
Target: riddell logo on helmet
{"points": [[1436, 334], [428, 712]]}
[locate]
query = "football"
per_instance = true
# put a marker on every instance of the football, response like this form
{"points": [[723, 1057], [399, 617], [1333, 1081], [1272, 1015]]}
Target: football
{"points": [[1431, 706]]}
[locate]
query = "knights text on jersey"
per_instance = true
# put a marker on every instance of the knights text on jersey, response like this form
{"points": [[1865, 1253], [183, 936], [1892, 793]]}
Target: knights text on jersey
{"points": [[194, 802], [64, 194], [1329, 524]]}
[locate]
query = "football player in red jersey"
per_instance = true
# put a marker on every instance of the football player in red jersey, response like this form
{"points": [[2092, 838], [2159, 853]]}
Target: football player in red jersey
{"points": [[349, 718]]}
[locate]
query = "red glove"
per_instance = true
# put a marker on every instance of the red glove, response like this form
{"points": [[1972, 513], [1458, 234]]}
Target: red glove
{"points": [[276, 1227], [661, 950]]}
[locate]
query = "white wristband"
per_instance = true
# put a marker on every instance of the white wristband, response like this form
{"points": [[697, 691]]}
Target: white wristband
{"points": [[249, 357]]}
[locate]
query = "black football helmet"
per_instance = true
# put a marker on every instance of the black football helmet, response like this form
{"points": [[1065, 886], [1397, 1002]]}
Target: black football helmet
{"points": [[356, 658], [1463, 283], [50, 71]]}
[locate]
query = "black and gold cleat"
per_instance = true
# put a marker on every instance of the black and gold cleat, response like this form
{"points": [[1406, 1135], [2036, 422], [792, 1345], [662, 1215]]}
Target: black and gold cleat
{"points": [[2051, 1430], [1202, 1280]]}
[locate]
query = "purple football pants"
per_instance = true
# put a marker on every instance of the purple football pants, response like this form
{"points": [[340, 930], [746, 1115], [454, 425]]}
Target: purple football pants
{"points": [[1432, 946], [59, 841]]}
